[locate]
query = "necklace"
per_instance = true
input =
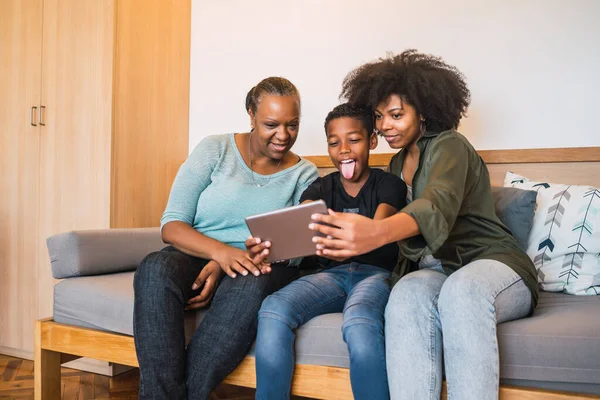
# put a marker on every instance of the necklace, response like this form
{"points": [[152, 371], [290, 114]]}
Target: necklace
{"points": [[252, 168]]}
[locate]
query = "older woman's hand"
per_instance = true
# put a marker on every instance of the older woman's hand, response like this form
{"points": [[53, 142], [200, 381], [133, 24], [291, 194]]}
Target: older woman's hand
{"points": [[209, 277], [257, 249], [258, 252], [232, 260], [350, 235]]}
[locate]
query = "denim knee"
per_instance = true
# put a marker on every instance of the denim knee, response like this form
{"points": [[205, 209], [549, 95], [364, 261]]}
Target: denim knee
{"points": [[156, 268], [413, 295], [463, 291], [281, 310], [363, 314], [363, 341], [362, 328], [272, 333], [471, 287], [404, 300]]}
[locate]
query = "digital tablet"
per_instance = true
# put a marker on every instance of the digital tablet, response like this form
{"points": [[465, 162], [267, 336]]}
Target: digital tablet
{"points": [[287, 230]]}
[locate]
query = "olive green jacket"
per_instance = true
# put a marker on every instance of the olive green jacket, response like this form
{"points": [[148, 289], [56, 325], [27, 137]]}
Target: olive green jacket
{"points": [[454, 209]]}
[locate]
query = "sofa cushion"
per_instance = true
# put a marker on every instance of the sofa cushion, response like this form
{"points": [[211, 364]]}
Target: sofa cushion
{"points": [[100, 251], [565, 239], [105, 302], [515, 208], [560, 343]]}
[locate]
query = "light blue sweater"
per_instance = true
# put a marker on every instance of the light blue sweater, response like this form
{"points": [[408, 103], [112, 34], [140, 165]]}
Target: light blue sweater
{"points": [[214, 190]]}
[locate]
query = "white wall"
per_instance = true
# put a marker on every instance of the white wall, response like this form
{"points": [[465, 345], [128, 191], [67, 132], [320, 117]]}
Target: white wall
{"points": [[533, 66]]}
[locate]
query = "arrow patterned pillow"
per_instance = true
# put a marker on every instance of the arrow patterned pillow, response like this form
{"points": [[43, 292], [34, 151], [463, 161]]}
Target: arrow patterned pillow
{"points": [[564, 242]]}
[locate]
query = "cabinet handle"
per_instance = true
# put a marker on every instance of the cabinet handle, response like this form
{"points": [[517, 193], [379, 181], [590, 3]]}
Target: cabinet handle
{"points": [[33, 116], [42, 108]]}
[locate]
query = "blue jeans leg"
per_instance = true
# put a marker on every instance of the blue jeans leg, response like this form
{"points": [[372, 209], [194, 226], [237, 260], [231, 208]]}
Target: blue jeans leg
{"points": [[363, 333], [429, 313], [472, 302], [162, 285], [228, 329], [412, 339], [280, 315]]}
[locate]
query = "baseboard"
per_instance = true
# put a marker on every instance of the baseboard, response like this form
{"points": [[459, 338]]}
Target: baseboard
{"points": [[81, 364]]}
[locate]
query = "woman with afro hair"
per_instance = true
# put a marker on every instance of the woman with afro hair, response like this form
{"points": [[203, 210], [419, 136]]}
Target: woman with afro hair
{"points": [[460, 270]]}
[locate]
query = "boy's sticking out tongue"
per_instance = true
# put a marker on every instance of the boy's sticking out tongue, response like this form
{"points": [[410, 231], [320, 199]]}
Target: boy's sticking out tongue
{"points": [[348, 169]]}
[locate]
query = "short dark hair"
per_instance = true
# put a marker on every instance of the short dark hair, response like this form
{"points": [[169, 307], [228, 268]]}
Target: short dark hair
{"points": [[436, 90], [273, 85], [363, 114]]}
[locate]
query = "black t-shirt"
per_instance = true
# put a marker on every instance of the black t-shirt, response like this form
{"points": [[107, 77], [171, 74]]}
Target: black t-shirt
{"points": [[380, 187]]}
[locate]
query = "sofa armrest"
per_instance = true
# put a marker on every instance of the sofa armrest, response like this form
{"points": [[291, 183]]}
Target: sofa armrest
{"points": [[95, 252]]}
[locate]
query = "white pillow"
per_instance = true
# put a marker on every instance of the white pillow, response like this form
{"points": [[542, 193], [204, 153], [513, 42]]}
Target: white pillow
{"points": [[564, 242]]}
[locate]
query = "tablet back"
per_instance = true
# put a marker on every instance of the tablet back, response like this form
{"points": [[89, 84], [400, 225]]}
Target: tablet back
{"points": [[287, 230]]}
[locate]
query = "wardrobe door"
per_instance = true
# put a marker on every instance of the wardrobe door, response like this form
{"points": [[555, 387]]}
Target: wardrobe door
{"points": [[151, 107], [20, 58], [77, 74]]}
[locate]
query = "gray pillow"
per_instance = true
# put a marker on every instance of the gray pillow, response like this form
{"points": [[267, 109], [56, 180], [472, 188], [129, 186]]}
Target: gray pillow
{"points": [[515, 208]]}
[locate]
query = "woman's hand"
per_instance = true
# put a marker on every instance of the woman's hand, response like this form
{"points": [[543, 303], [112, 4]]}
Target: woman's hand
{"points": [[257, 249], [350, 235], [232, 260], [209, 277]]}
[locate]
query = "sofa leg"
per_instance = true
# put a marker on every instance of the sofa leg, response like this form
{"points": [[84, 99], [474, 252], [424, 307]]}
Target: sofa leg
{"points": [[46, 369]]}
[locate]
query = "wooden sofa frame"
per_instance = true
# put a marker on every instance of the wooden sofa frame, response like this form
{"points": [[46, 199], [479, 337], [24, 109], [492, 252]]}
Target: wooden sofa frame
{"points": [[57, 343]]}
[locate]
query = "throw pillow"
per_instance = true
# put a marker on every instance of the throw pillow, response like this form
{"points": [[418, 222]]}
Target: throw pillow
{"points": [[515, 208], [564, 242]]}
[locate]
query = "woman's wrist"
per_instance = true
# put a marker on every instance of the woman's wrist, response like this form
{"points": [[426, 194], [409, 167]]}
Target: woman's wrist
{"points": [[397, 227], [217, 252], [382, 232], [214, 265]]}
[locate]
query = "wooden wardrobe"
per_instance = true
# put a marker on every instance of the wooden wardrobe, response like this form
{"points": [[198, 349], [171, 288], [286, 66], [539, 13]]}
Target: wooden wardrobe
{"points": [[94, 103]]}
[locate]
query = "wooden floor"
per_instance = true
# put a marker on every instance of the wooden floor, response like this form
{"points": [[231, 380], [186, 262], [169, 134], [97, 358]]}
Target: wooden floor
{"points": [[17, 383]]}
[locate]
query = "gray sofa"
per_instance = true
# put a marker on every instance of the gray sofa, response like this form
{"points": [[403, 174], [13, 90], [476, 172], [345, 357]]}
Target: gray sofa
{"points": [[556, 349]]}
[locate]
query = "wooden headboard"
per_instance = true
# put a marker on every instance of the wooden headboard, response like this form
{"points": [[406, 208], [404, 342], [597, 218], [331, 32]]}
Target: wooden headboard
{"points": [[572, 165]]}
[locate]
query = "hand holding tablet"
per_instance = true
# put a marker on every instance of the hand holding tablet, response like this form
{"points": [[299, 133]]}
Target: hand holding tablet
{"points": [[287, 230]]}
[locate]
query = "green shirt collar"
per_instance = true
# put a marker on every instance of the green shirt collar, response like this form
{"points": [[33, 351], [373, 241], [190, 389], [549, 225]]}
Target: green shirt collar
{"points": [[422, 143]]}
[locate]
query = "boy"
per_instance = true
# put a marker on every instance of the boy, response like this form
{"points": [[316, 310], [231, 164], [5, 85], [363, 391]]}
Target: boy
{"points": [[357, 286]]}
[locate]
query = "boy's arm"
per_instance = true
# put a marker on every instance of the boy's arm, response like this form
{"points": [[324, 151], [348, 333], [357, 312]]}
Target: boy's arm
{"points": [[312, 192], [384, 210], [391, 196]]}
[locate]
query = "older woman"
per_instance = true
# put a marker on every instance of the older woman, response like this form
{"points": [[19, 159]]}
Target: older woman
{"points": [[225, 179], [461, 271]]}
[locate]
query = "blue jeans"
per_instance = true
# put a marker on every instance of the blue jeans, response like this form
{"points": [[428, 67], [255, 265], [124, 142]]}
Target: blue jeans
{"points": [[361, 292], [162, 286], [431, 316]]}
